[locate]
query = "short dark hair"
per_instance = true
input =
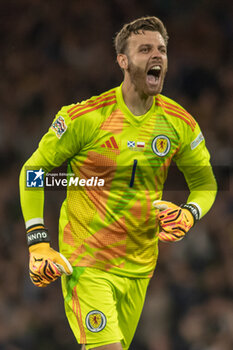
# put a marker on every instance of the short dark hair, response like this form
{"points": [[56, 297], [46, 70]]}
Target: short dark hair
{"points": [[150, 23]]}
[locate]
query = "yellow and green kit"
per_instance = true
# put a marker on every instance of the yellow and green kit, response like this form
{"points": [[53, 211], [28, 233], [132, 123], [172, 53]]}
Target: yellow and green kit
{"points": [[111, 225]]}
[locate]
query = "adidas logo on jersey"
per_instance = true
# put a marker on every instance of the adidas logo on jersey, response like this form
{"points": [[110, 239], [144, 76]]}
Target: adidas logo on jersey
{"points": [[110, 143]]}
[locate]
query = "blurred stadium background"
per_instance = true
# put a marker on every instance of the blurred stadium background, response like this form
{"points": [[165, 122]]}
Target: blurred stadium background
{"points": [[53, 53]]}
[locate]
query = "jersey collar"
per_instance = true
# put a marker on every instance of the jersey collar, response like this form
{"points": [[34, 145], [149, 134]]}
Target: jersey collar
{"points": [[133, 119]]}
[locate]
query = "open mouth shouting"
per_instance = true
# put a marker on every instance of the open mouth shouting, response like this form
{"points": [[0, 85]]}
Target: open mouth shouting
{"points": [[154, 74]]}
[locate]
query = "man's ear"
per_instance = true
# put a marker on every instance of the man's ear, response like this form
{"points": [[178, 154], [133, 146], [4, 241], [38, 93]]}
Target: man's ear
{"points": [[122, 60]]}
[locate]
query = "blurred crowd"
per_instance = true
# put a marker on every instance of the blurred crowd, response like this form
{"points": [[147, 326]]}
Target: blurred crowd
{"points": [[54, 53]]}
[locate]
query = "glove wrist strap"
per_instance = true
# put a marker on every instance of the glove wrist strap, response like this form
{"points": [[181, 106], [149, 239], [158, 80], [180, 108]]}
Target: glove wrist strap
{"points": [[38, 236], [193, 210]]}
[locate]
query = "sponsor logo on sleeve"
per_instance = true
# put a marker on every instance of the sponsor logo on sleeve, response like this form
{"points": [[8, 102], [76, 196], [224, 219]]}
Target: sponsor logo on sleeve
{"points": [[161, 145], [197, 140], [95, 321], [59, 126]]}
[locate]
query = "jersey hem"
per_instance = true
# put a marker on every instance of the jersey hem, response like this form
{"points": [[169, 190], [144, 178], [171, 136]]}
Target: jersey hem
{"points": [[115, 271]]}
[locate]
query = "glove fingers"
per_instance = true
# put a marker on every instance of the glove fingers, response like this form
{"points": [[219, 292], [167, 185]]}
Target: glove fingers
{"points": [[173, 220], [44, 267], [47, 265], [172, 227], [51, 270], [63, 264], [43, 271], [163, 205], [170, 237], [169, 215], [37, 280]]}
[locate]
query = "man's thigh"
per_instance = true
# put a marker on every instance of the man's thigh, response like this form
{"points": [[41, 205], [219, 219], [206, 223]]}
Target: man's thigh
{"points": [[129, 307], [90, 306]]}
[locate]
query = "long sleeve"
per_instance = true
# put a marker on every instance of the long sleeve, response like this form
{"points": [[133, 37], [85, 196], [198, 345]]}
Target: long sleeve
{"points": [[193, 161], [56, 146]]}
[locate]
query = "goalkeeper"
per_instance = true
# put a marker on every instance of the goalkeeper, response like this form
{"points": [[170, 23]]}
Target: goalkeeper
{"points": [[108, 236]]}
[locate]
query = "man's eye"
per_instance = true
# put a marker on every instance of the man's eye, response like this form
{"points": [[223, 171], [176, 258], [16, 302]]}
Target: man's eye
{"points": [[144, 49], [163, 50]]}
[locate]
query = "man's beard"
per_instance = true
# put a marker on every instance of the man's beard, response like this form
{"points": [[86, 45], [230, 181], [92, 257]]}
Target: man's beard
{"points": [[136, 74], [138, 79]]}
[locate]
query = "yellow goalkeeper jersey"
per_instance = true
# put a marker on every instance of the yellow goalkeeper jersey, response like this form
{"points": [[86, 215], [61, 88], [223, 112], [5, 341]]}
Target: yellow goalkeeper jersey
{"points": [[109, 222]]}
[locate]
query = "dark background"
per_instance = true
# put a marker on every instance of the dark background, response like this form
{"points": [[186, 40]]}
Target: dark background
{"points": [[54, 53]]}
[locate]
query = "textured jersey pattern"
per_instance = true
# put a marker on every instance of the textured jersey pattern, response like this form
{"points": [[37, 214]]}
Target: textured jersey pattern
{"points": [[114, 227]]}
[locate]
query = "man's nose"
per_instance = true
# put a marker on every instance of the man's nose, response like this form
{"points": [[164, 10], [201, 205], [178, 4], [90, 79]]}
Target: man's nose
{"points": [[156, 53]]}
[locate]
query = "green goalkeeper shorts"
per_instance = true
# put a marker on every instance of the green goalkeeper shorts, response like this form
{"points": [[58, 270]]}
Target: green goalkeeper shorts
{"points": [[103, 308]]}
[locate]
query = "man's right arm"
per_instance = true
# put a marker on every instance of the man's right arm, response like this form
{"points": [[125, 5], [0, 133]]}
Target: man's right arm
{"points": [[56, 146], [65, 138], [32, 199]]}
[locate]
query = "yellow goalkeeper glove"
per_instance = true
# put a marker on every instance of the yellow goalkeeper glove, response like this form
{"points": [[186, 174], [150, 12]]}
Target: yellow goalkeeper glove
{"points": [[45, 263], [175, 221]]}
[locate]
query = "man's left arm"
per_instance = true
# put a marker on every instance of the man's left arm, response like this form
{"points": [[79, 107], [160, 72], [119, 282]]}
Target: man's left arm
{"points": [[194, 162]]}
